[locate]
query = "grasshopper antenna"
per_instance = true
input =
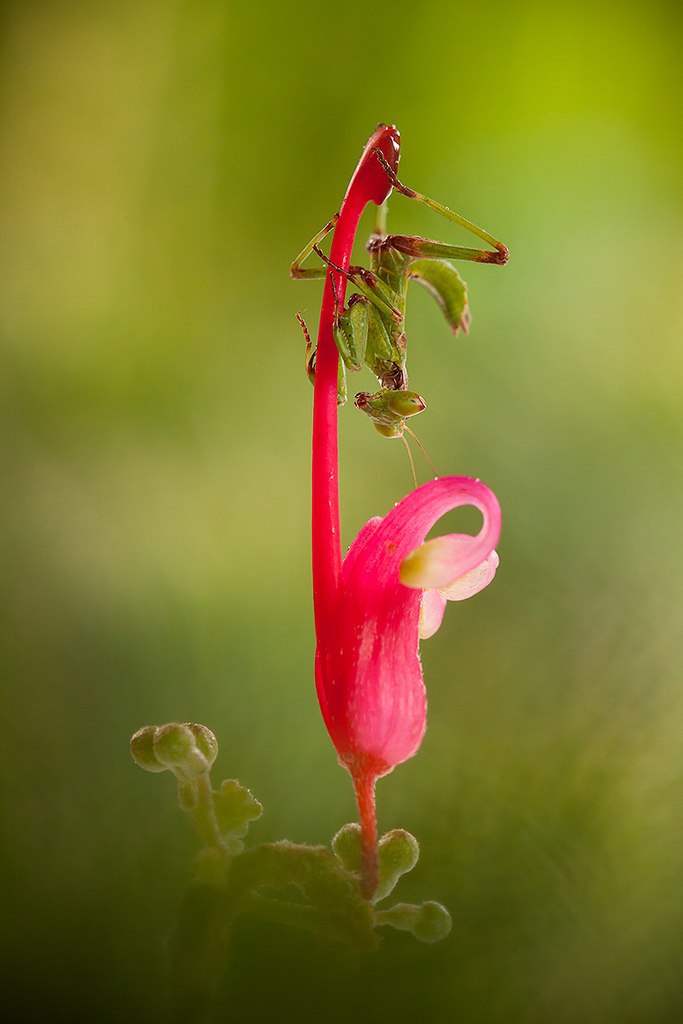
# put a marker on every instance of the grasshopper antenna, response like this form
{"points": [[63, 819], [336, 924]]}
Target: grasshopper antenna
{"points": [[410, 455], [419, 444]]}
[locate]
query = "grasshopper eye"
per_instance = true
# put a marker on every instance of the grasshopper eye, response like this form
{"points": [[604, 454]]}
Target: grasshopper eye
{"points": [[406, 403]]}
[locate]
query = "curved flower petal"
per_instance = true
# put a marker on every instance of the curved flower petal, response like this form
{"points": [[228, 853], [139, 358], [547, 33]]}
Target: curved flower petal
{"points": [[473, 581], [437, 562], [431, 613], [369, 673]]}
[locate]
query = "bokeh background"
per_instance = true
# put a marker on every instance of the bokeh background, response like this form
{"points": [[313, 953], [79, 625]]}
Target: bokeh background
{"points": [[162, 163]]}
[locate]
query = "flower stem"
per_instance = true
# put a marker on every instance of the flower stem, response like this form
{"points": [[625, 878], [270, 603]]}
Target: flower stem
{"points": [[368, 184], [325, 510], [364, 784], [204, 813]]}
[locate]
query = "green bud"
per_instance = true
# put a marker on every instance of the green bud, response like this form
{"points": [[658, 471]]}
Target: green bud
{"points": [[347, 846], [142, 750], [235, 807], [397, 852], [429, 922], [434, 922], [176, 747], [205, 740]]}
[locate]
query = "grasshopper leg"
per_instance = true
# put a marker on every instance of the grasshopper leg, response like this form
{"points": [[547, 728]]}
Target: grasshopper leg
{"points": [[350, 328], [440, 250], [368, 284], [315, 273], [309, 359], [309, 363]]}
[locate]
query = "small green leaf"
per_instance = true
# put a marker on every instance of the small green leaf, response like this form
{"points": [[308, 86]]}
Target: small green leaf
{"points": [[347, 846], [429, 922], [322, 879], [235, 807]]}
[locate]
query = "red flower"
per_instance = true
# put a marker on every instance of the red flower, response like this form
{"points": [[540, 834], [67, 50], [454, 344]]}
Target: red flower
{"points": [[391, 588]]}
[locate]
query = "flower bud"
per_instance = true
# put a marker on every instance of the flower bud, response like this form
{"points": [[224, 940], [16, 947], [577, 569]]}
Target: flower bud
{"points": [[205, 740], [433, 922], [397, 853], [142, 750], [347, 846], [429, 922], [176, 747]]}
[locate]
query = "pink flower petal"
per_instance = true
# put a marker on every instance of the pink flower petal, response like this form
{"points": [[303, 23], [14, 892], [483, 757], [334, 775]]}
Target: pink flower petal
{"points": [[436, 563], [431, 613], [368, 667], [443, 560], [473, 581]]}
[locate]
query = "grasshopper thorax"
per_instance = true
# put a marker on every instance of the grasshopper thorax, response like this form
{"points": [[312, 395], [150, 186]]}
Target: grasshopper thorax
{"points": [[377, 242]]}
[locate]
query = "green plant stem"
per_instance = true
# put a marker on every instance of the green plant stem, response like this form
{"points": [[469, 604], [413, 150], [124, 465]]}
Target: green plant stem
{"points": [[204, 814]]}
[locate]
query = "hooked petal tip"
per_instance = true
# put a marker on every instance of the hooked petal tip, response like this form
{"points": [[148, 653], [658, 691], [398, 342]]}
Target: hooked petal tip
{"points": [[470, 583]]}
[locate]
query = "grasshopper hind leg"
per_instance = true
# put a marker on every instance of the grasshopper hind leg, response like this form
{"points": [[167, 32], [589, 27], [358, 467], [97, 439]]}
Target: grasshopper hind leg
{"points": [[421, 247], [310, 363]]}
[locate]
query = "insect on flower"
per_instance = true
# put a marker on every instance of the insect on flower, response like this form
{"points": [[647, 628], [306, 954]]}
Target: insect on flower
{"points": [[369, 329], [372, 607]]}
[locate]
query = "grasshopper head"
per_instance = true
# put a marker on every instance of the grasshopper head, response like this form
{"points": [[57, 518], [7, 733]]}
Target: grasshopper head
{"points": [[389, 410]]}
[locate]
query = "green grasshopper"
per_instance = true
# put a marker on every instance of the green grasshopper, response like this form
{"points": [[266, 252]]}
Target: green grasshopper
{"points": [[369, 329], [388, 409]]}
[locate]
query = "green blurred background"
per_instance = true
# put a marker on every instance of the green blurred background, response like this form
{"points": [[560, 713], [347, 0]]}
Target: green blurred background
{"points": [[162, 163]]}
